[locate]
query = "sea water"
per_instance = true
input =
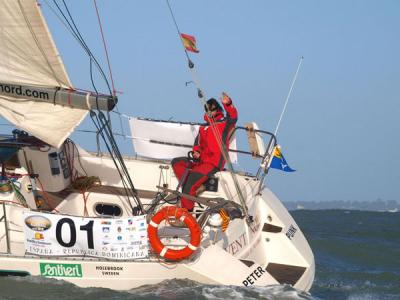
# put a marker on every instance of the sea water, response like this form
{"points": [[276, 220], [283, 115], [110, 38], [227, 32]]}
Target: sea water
{"points": [[357, 256]]}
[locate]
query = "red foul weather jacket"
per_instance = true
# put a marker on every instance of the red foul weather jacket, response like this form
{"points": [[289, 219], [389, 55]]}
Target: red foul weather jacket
{"points": [[206, 143]]}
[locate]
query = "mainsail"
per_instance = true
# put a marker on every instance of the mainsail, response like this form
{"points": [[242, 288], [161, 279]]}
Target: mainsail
{"points": [[30, 63]]}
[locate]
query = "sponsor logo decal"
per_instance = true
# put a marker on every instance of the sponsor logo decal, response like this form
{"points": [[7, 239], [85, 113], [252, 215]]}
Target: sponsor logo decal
{"points": [[60, 270], [291, 232], [39, 236], [38, 223]]}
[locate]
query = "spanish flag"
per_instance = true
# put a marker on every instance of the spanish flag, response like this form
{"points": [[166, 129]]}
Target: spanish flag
{"points": [[189, 42]]}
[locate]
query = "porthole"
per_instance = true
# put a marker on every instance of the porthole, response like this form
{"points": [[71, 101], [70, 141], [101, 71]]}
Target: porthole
{"points": [[109, 210]]}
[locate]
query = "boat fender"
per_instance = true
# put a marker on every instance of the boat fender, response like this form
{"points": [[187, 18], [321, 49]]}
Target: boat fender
{"points": [[184, 216], [215, 220]]}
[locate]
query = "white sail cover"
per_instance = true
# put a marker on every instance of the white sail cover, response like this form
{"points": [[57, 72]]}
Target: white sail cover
{"points": [[28, 56], [166, 140]]}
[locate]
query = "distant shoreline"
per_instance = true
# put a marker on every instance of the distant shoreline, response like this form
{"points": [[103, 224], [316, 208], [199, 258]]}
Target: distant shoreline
{"points": [[378, 205]]}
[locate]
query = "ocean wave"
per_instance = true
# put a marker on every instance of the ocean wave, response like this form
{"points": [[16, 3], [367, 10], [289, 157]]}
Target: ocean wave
{"points": [[46, 288], [185, 289]]}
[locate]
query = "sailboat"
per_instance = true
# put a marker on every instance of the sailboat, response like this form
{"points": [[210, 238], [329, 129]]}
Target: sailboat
{"points": [[112, 221]]}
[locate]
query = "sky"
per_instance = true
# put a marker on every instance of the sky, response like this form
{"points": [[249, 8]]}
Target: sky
{"points": [[341, 126]]}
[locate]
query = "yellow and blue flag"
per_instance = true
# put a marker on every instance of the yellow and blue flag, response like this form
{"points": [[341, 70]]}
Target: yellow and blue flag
{"points": [[279, 162]]}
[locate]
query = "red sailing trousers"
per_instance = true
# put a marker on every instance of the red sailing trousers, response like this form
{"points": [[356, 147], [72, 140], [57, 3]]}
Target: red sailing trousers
{"points": [[197, 174]]}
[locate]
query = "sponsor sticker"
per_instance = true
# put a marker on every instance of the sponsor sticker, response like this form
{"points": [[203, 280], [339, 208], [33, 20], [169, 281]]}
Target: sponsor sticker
{"points": [[39, 236], [291, 232], [38, 223], [60, 235], [60, 270]]}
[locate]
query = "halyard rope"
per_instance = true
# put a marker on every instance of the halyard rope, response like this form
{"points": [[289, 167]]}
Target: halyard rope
{"points": [[213, 126]]}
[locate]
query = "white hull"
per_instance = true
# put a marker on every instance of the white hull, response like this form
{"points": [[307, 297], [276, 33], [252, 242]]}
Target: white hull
{"points": [[272, 250]]}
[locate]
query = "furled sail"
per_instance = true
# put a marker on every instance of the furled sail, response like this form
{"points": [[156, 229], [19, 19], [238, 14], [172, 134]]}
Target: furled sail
{"points": [[30, 63]]}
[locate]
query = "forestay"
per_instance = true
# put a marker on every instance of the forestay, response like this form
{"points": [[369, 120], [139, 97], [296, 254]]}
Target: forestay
{"points": [[29, 57]]}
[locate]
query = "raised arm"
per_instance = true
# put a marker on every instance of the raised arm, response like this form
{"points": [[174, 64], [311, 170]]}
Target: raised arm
{"points": [[231, 112]]}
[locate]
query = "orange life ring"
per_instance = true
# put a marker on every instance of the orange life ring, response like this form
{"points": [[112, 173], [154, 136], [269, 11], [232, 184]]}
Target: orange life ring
{"points": [[183, 215]]}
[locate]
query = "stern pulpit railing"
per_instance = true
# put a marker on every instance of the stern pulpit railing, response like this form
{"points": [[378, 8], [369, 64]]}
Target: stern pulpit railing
{"points": [[3, 218]]}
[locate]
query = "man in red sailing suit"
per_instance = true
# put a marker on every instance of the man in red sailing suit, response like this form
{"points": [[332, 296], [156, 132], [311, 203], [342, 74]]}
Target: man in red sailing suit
{"points": [[207, 153]]}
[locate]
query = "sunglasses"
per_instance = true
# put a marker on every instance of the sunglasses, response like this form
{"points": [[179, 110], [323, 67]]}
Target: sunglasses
{"points": [[213, 108]]}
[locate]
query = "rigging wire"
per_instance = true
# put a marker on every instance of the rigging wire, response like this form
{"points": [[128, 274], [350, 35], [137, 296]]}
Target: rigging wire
{"points": [[105, 132], [84, 43], [213, 125], [70, 24], [289, 94], [196, 81], [102, 123], [266, 162], [105, 48], [114, 91], [190, 63]]}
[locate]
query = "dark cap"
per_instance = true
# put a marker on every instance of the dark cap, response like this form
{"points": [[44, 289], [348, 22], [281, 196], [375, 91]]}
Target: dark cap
{"points": [[212, 105]]}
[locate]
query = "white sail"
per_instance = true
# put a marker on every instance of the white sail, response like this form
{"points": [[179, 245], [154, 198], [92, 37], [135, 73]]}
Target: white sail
{"points": [[28, 56]]}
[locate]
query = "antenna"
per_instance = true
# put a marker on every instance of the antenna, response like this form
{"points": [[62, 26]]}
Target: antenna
{"points": [[288, 96]]}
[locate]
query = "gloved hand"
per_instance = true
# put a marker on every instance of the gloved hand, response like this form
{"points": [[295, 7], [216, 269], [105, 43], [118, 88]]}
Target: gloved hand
{"points": [[226, 99], [196, 154]]}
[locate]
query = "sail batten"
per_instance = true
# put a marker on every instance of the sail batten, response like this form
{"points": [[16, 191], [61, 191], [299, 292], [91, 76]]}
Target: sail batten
{"points": [[30, 59]]}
